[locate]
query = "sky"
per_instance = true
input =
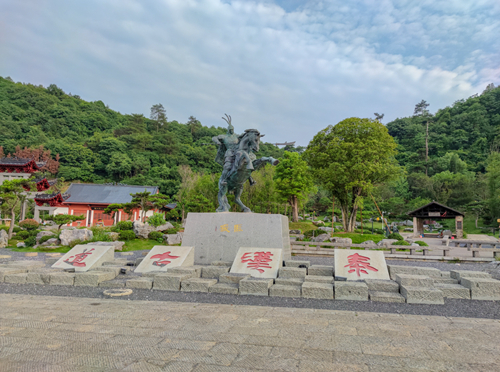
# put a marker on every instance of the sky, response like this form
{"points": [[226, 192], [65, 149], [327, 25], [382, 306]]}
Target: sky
{"points": [[288, 68]]}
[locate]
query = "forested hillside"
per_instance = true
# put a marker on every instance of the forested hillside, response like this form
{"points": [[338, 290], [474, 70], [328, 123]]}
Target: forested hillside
{"points": [[97, 144]]}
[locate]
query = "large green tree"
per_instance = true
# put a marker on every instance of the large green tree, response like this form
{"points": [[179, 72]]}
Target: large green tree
{"points": [[293, 180], [12, 196], [348, 159]]}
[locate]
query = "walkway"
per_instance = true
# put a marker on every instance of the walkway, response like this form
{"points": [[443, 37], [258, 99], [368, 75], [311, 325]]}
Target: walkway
{"points": [[44, 333]]}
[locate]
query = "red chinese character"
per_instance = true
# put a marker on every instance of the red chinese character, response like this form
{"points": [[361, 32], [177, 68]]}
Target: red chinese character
{"points": [[78, 258], [359, 264], [163, 259], [260, 260]]}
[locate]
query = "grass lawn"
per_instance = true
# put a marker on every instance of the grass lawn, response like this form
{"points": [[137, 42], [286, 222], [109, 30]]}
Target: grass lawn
{"points": [[360, 238], [140, 244], [302, 225]]}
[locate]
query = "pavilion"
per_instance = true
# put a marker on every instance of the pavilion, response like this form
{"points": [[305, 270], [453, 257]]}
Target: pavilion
{"points": [[436, 211]]}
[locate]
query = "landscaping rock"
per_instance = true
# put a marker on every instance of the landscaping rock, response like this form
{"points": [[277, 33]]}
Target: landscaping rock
{"points": [[321, 238], [453, 290], [113, 235], [280, 290], [173, 239], [377, 285], [369, 242], [323, 291], [194, 271], [165, 227], [20, 245], [292, 272], [51, 241], [169, 281], [255, 286], [295, 232], [232, 278], [142, 230], [93, 278], [117, 244], [289, 281], [41, 276], [344, 241], [319, 279], [15, 278], [70, 235], [41, 234], [386, 242], [386, 297], [4, 239], [482, 288], [61, 278], [353, 291], [213, 272], [140, 283], [326, 229]]}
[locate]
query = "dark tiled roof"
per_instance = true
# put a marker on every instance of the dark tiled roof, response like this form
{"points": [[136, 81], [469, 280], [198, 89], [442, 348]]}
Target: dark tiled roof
{"points": [[14, 161], [104, 194], [434, 204]]}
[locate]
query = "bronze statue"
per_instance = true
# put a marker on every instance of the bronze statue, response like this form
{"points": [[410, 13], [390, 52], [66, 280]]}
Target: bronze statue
{"points": [[236, 155]]}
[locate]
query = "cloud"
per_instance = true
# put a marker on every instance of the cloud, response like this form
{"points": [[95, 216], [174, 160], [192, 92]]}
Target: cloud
{"points": [[288, 70]]}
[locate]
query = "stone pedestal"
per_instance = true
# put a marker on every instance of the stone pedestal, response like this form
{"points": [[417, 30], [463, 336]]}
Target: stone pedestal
{"points": [[218, 236], [161, 258], [85, 257]]}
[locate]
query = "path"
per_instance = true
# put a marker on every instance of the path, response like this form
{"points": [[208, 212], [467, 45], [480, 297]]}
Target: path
{"points": [[44, 333]]}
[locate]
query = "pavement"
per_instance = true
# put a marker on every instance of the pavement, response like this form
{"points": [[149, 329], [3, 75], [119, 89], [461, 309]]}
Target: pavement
{"points": [[47, 333]]}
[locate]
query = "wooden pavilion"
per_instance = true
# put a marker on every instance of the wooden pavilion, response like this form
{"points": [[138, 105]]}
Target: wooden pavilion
{"points": [[436, 211]]}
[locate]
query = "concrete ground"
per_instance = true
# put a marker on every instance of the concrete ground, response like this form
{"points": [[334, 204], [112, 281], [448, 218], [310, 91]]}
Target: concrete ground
{"points": [[45, 333]]}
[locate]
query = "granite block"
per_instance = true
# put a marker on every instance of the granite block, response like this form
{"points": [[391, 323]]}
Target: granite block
{"points": [[323, 291], [386, 297], [224, 288], [321, 270], [422, 295], [255, 286], [169, 281], [292, 272], [482, 288], [375, 285], [353, 291], [197, 284], [280, 290]]}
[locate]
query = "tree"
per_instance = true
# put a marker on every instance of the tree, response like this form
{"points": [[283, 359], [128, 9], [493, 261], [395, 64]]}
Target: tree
{"points": [[293, 181], [159, 115], [378, 116], [12, 195], [141, 199], [493, 182], [63, 219], [421, 109], [348, 159]]}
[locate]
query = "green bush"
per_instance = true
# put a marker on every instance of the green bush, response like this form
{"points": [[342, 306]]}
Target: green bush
{"points": [[395, 236], [171, 231], [401, 242], [74, 242], [124, 226], [22, 235], [43, 239], [156, 220], [30, 242], [421, 243], [16, 229], [29, 224], [126, 235], [155, 235]]}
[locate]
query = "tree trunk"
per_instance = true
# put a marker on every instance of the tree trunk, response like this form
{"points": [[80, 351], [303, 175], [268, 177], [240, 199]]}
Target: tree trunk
{"points": [[477, 218], [12, 220], [295, 209]]}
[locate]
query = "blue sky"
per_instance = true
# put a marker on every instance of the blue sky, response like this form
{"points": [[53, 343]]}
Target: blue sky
{"points": [[286, 67]]}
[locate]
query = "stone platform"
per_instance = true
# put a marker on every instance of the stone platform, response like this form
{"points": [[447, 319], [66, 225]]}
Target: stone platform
{"points": [[218, 236]]}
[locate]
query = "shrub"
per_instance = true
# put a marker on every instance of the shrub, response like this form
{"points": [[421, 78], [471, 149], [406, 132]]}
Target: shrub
{"points": [[395, 236], [16, 229], [43, 239], [421, 243], [126, 235], [171, 231], [30, 242], [74, 242], [156, 220], [22, 235], [29, 224], [124, 226], [155, 235], [401, 242]]}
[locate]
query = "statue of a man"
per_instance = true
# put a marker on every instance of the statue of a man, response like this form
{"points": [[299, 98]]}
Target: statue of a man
{"points": [[228, 144]]}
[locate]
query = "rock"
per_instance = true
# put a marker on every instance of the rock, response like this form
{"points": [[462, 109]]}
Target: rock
{"points": [[295, 232], [386, 242], [493, 268], [41, 234], [165, 227], [142, 230], [414, 245], [318, 223], [369, 242], [173, 239], [4, 239], [20, 245], [326, 229], [118, 245], [52, 241], [345, 241], [322, 238], [113, 235], [67, 236]]}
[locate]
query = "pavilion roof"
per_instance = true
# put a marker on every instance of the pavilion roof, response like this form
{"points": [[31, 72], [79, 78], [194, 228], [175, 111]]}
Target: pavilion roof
{"points": [[435, 210], [104, 194]]}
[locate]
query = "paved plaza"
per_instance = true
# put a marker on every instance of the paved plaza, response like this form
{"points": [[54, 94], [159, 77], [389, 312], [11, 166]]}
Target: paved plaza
{"points": [[46, 333]]}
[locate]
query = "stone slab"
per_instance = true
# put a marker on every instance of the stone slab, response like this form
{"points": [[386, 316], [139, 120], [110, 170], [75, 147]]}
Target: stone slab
{"points": [[51, 260], [413, 270], [420, 295], [62, 279], [218, 236], [255, 286], [10, 270], [213, 272], [323, 270], [41, 276], [93, 278], [194, 271], [84, 257], [453, 290], [297, 263], [169, 281], [414, 280], [289, 281], [232, 278], [113, 269], [26, 264], [197, 285], [459, 274], [319, 279], [376, 285], [221, 263], [140, 283], [292, 272], [280, 290], [444, 281], [352, 291], [482, 288], [258, 262], [163, 257], [224, 288], [321, 291], [353, 264], [386, 297], [15, 278]]}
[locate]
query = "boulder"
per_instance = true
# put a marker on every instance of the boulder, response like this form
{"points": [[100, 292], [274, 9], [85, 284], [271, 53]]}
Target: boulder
{"points": [[165, 227], [68, 236], [41, 234], [345, 241], [4, 239], [117, 244], [318, 223], [142, 230], [386, 242], [113, 235], [322, 238], [295, 232], [20, 245], [52, 241], [172, 239], [326, 229], [369, 242]]}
